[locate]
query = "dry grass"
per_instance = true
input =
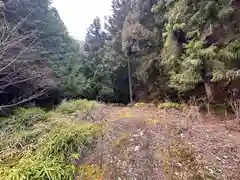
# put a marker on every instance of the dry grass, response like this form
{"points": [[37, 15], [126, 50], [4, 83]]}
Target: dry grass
{"points": [[182, 163], [145, 142]]}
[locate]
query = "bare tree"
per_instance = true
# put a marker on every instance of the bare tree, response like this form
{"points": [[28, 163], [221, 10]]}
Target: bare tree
{"points": [[21, 66]]}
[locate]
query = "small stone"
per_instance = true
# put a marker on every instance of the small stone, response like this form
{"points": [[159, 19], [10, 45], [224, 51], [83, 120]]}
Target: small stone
{"points": [[179, 165], [135, 135], [225, 157], [74, 114], [136, 148], [210, 170]]}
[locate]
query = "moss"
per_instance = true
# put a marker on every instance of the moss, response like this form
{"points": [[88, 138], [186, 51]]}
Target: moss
{"points": [[151, 122], [90, 172]]}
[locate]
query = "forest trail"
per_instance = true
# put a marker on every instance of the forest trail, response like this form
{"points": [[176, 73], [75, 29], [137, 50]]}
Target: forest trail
{"points": [[148, 143]]}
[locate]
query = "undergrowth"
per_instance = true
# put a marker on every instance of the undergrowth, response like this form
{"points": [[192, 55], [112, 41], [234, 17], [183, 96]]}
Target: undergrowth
{"points": [[68, 107], [90, 172], [40, 145], [181, 163], [172, 105]]}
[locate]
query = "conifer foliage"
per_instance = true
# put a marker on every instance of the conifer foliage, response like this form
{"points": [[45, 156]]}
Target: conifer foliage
{"points": [[177, 44]]}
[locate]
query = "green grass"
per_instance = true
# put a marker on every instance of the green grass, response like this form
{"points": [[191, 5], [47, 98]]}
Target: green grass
{"points": [[40, 145]]}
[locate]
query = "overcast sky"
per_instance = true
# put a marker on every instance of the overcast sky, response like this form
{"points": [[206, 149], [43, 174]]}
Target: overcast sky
{"points": [[79, 14]]}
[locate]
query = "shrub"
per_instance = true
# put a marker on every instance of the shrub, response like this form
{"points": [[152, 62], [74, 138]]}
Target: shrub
{"points": [[34, 168], [171, 105], [24, 118], [18, 133], [68, 138], [139, 104], [44, 146], [52, 157], [68, 107], [15, 145]]}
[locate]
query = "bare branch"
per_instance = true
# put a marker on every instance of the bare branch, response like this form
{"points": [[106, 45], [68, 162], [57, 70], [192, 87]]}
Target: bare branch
{"points": [[25, 100], [21, 81], [15, 28], [20, 54]]}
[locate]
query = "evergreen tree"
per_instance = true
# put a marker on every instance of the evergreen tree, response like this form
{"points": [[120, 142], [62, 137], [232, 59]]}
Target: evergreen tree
{"points": [[192, 53], [96, 65]]}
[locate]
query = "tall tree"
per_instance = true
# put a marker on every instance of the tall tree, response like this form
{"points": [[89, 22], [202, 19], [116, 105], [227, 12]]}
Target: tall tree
{"points": [[96, 65], [32, 35]]}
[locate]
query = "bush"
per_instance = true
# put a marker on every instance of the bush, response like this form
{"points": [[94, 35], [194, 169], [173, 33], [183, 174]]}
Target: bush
{"points": [[34, 168], [52, 157], [68, 138], [171, 105], [25, 117], [29, 117], [44, 147], [15, 145], [68, 107], [139, 104], [19, 133]]}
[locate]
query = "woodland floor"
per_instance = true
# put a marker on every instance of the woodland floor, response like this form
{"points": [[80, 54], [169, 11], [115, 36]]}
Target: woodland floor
{"points": [[147, 143]]}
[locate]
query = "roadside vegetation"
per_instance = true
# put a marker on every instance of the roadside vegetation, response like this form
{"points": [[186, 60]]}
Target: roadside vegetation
{"points": [[45, 145]]}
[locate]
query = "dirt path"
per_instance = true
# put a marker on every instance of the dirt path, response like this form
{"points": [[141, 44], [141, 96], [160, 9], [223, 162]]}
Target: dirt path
{"points": [[151, 144]]}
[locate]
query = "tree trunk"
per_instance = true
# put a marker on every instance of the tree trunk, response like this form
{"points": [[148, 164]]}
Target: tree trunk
{"points": [[208, 90], [130, 81], [207, 76], [209, 94]]}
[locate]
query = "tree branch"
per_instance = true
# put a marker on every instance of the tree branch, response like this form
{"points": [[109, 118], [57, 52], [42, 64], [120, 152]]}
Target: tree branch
{"points": [[20, 54]]}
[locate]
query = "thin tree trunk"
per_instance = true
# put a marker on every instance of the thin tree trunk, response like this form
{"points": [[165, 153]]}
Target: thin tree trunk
{"points": [[209, 94], [130, 81], [208, 90], [207, 83]]}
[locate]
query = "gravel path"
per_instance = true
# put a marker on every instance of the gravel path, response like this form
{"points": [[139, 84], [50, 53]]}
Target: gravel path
{"points": [[147, 144]]}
